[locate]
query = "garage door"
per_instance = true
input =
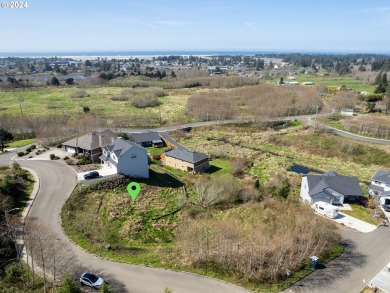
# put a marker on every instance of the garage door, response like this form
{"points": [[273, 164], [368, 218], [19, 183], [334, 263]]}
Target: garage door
{"points": [[71, 150]]}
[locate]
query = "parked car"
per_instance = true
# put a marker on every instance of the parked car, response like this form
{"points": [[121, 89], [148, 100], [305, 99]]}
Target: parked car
{"points": [[91, 280], [386, 205], [91, 175]]}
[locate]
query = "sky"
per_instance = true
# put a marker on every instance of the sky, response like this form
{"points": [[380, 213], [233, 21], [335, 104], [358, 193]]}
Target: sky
{"points": [[155, 25]]}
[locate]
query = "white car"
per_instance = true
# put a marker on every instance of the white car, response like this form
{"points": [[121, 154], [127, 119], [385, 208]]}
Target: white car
{"points": [[91, 280]]}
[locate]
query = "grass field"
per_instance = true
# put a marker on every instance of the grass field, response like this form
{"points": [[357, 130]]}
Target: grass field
{"points": [[335, 81], [59, 101], [20, 143]]}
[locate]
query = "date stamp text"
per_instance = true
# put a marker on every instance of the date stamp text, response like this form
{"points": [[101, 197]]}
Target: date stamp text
{"points": [[14, 4]]}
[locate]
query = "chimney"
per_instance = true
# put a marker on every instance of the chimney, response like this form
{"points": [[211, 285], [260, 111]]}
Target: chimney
{"points": [[100, 140], [112, 139]]}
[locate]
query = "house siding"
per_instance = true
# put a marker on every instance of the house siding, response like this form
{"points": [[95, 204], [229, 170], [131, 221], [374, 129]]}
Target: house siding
{"points": [[134, 163], [305, 191], [201, 166]]}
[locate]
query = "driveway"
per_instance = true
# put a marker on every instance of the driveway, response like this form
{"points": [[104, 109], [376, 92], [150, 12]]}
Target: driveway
{"points": [[104, 171], [354, 223]]}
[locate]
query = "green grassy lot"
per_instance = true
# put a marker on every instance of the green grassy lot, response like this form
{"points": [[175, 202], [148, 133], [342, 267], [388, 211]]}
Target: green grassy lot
{"points": [[219, 166], [59, 101], [336, 81], [20, 143], [157, 151], [362, 213]]}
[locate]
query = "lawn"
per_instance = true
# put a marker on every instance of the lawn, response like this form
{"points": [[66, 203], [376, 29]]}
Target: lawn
{"points": [[336, 81], [157, 151], [20, 143], [219, 166], [362, 213]]}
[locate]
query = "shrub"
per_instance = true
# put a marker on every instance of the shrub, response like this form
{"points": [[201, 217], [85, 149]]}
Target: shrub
{"points": [[56, 158], [217, 153], [145, 101], [80, 94], [33, 147], [120, 98], [83, 160], [28, 149], [52, 156], [69, 162], [26, 153], [66, 158], [249, 194], [59, 146], [239, 165], [20, 154]]}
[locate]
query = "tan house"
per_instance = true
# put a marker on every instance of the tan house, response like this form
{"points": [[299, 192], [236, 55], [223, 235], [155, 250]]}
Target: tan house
{"points": [[90, 144], [186, 160]]}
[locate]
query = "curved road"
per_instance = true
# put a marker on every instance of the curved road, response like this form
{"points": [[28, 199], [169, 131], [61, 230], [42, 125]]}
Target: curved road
{"points": [[57, 181]]}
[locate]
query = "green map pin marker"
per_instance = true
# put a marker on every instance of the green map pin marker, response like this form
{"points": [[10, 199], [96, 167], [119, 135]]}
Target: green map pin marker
{"points": [[133, 188]]}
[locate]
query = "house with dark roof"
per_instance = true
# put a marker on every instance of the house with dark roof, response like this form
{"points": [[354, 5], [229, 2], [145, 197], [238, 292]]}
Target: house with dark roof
{"points": [[380, 183], [90, 144], [330, 187], [126, 158], [147, 139], [186, 160]]}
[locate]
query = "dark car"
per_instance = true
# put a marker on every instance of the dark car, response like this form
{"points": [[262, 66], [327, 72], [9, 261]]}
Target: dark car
{"points": [[91, 175], [91, 280]]}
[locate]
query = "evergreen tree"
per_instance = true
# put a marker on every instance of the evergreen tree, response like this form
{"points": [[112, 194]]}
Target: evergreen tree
{"points": [[5, 137], [54, 81], [382, 85]]}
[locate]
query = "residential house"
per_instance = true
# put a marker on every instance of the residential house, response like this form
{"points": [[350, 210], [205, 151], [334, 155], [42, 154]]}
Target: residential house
{"points": [[126, 158], [147, 139], [380, 183], [330, 187], [186, 160], [90, 144], [346, 112]]}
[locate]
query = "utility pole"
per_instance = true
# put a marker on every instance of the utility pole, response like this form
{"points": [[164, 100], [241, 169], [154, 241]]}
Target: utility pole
{"points": [[20, 100], [315, 120]]}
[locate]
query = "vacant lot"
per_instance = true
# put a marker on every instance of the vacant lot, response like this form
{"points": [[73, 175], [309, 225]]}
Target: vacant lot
{"points": [[104, 101], [337, 81]]}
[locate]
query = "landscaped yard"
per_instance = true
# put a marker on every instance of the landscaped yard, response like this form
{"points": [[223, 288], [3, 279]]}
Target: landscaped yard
{"points": [[363, 214], [20, 143]]}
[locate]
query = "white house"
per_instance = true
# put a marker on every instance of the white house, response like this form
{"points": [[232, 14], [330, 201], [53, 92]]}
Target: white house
{"points": [[330, 187], [380, 183], [346, 112], [127, 158]]}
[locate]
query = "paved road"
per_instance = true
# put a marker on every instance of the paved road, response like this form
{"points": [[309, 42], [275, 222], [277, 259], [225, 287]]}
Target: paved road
{"points": [[57, 181], [365, 255]]}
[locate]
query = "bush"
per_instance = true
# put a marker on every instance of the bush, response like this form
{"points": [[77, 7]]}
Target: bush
{"points": [[20, 154], [56, 158], [145, 101], [26, 153], [120, 98], [239, 165], [28, 149], [66, 158], [59, 146], [249, 194], [80, 94], [83, 160], [12, 273], [52, 156], [33, 147]]}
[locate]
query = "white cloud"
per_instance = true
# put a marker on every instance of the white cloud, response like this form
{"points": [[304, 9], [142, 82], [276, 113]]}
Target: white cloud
{"points": [[170, 22], [249, 24]]}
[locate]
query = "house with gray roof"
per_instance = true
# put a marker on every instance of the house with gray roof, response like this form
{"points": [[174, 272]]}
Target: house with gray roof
{"points": [[126, 158], [147, 139], [330, 187], [90, 144], [380, 183], [186, 160]]}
